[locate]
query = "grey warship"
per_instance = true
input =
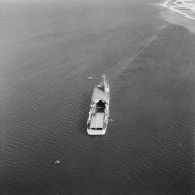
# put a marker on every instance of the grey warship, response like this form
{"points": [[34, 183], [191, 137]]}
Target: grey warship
{"points": [[99, 109]]}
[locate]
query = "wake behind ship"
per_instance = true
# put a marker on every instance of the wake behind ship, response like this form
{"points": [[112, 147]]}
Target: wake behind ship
{"points": [[99, 109]]}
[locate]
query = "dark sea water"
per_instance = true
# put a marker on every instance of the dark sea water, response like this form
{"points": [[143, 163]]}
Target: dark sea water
{"points": [[48, 51]]}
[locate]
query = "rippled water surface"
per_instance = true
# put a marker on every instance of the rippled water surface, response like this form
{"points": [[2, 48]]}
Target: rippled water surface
{"points": [[48, 51]]}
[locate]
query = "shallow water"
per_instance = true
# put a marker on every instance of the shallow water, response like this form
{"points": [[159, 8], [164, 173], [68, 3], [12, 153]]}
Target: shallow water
{"points": [[48, 51]]}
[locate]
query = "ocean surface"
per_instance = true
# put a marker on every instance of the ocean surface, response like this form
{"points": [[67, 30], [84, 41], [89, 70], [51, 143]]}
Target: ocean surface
{"points": [[48, 50]]}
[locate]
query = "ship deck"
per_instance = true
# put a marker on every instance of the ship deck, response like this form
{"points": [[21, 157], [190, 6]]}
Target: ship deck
{"points": [[99, 95], [97, 121]]}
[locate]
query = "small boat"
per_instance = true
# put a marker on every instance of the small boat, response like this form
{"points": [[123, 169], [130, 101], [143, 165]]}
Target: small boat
{"points": [[99, 109]]}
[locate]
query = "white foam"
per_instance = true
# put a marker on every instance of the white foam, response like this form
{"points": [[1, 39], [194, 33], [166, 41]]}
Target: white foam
{"points": [[177, 4]]}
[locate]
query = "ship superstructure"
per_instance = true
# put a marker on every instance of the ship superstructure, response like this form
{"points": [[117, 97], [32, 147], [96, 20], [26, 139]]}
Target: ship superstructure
{"points": [[99, 109]]}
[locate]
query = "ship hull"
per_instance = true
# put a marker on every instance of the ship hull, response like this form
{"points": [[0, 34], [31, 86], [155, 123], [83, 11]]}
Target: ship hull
{"points": [[99, 109]]}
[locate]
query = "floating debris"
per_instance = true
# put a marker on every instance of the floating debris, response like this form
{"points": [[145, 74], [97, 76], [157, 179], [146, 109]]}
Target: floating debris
{"points": [[57, 162], [90, 78]]}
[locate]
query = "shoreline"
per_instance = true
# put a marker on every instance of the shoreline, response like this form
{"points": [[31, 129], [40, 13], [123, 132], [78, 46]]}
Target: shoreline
{"points": [[183, 7]]}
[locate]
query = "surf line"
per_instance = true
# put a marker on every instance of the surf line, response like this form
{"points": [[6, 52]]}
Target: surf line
{"points": [[179, 5]]}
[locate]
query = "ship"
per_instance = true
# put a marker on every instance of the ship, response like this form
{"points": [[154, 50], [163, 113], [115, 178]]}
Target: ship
{"points": [[99, 109]]}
